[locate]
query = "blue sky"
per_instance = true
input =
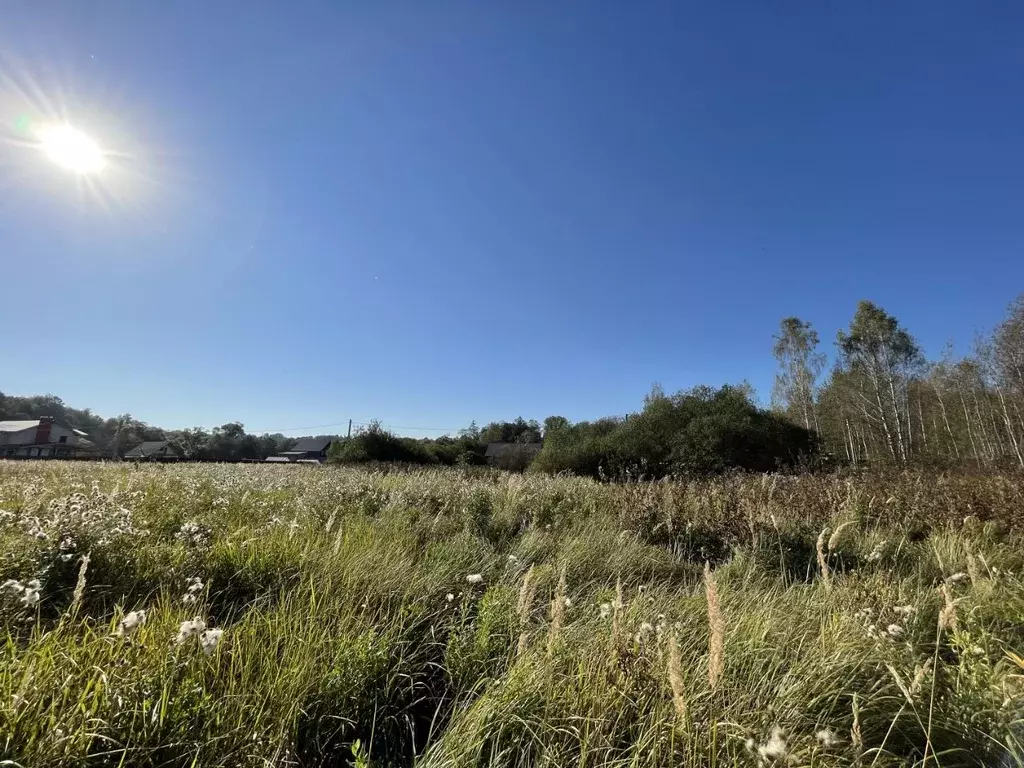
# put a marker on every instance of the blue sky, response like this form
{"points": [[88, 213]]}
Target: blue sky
{"points": [[436, 212]]}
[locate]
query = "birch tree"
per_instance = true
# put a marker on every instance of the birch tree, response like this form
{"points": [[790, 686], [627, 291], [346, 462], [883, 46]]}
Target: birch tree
{"points": [[800, 365]]}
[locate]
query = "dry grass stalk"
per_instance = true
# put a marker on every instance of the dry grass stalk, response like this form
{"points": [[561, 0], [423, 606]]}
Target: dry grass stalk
{"points": [[919, 675], [716, 630], [557, 614], [833, 540], [826, 575], [76, 597], [617, 607], [675, 679], [856, 739], [972, 569], [526, 594], [947, 615]]}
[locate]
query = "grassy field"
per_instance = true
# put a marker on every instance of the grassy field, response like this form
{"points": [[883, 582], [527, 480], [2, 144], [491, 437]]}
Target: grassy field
{"points": [[271, 616]]}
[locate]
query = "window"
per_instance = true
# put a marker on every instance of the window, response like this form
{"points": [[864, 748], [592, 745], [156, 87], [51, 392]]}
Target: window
{"points": [[63, 439]]}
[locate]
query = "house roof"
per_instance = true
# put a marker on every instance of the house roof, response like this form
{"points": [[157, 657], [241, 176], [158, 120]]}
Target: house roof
{"points": [[146, 449], [18, 426], [312, 445], [497, 450]]}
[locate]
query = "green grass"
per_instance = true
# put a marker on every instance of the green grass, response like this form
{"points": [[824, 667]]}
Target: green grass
{"points": [[352, 636]]}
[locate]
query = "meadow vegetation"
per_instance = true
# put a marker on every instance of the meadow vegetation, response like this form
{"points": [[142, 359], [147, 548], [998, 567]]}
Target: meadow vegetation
{"points": [[231, 615]]}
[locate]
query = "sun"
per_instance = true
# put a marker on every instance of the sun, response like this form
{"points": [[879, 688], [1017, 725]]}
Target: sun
{"points": [[71, 149]]}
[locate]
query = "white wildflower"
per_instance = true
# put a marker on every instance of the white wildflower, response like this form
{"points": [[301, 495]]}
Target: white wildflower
{"points": [[12, 585], [606, 610], [512, 559], [475, 578], [957, 578], [131, 622], [904, 610], [449, 597], [895, 631], [775, 748], [876, 553], [30, 596], [66, 558], [568, 602], [646, 628], [210, 639], [827, 738], [189, 629], [189, 599]]}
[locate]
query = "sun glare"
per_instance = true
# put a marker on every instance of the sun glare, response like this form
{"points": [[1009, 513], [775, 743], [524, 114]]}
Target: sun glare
{"points": [[71, 149]]}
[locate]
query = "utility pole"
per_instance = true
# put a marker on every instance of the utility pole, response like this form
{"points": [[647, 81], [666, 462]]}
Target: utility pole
{"points": [[350, 429]]}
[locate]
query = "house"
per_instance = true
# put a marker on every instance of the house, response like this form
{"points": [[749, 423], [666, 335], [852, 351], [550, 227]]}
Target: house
{"points": [[514, 456], [307, 450], [42, 438], [153, 450]]}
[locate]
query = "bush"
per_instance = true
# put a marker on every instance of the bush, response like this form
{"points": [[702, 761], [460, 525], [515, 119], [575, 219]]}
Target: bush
{"points": [[700, 431]]}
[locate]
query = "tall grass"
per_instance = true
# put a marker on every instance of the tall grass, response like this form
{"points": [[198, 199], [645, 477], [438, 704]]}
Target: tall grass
{"points": [[683, 623]]}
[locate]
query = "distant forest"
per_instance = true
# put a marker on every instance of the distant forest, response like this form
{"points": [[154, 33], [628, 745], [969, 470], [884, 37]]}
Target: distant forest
{"points": [[881, 403]]}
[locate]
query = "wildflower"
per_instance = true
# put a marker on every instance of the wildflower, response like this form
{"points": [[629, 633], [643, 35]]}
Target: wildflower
{"points": [[606, 610], [66, 558], [189, 629], [904, 610], [568, 602], [872, 631], [775, 748], [646, 628], [877, 552], [195, 586], [957, 578], [512, 559], [210, 639], [30, 596], [475, 578], [131, 622], [827, 738], [895, 631], [13, 586], [449, 597]]}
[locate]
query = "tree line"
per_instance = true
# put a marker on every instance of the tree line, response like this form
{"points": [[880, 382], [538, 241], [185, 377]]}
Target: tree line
{"points": [[882, 402]]}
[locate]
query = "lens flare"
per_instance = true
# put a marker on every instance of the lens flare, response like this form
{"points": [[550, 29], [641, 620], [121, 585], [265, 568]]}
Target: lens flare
{"points": [[71, 149]]}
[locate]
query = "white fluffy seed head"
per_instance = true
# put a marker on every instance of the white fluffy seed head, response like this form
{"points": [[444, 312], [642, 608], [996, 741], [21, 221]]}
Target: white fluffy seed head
{"points": [[210, 639]]}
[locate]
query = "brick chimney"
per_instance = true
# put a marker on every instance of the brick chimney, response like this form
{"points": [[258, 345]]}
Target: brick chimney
{"points": [[43, 430]]}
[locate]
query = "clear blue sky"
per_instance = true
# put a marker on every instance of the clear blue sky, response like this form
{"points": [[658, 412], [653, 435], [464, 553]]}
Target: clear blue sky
{"points": [[431, 212]]}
